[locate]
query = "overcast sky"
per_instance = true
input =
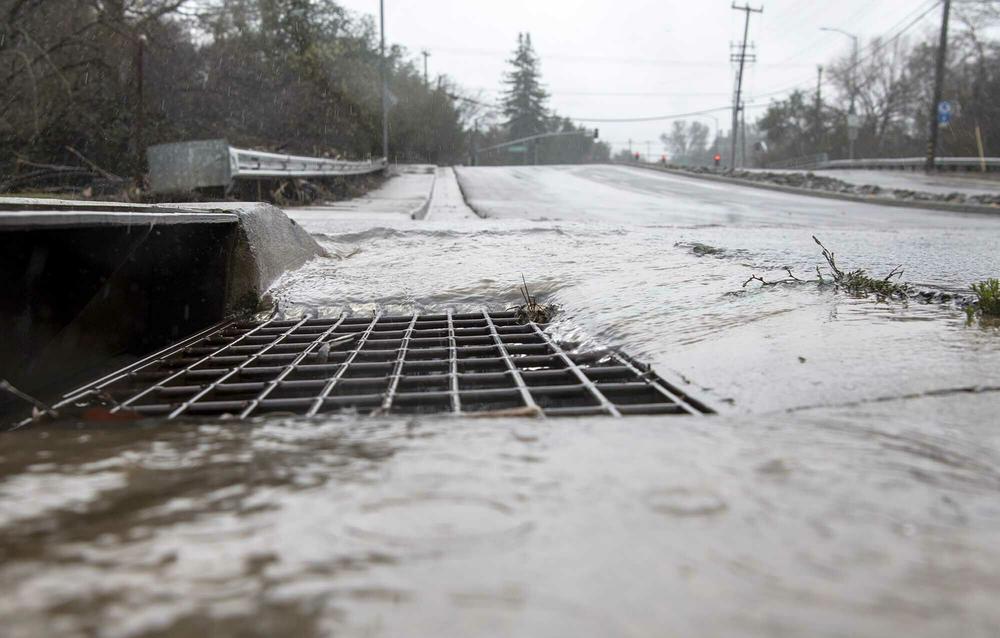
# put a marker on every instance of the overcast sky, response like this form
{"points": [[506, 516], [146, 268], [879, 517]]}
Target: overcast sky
{"points": [[639, 58]]}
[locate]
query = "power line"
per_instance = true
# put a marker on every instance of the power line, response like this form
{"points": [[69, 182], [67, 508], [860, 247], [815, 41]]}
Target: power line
{"points": [[558, 93], [592, 59], [657, 118], [875, 47]]}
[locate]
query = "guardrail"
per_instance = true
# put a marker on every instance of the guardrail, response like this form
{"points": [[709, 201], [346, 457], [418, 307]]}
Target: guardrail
{"points": [[187, 166], [917, 164]]}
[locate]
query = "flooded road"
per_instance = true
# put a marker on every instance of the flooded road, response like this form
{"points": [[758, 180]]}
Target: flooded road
{"points": [[849, 485]]}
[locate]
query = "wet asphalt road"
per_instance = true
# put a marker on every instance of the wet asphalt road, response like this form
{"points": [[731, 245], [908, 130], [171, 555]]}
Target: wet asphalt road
{"points": [[849, 485]]}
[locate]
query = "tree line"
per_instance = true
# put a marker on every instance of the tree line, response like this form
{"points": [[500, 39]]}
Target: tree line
{"points": [[297, 76], [101, 80], [891, 87], [524, 113]]}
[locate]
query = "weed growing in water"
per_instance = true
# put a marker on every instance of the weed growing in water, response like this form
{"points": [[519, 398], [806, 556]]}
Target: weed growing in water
{"points": [[987, 303], [531, 311]]}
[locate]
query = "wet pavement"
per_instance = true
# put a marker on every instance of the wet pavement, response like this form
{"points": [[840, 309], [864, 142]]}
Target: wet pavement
{"points": [[849, 485]]}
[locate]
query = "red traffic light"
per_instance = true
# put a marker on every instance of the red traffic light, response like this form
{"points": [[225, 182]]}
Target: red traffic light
{"points": [[717, 157]]}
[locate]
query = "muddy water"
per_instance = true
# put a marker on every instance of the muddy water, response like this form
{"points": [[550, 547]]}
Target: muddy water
{"points": [[849, 485]]}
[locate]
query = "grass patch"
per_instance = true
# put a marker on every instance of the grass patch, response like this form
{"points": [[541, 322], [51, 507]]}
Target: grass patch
{"points": [[987, 302]]}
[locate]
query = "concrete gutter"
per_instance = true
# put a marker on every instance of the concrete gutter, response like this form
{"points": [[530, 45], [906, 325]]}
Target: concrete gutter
{"points": [[809, 192], [420, 212], [465, 196], [91, 286]]}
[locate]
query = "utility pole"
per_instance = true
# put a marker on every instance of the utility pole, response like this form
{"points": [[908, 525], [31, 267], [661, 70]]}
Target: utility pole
{"points": [[743, 127], [938, 87], [426, 55], [741, 57], [819, 106], [382, 77]]}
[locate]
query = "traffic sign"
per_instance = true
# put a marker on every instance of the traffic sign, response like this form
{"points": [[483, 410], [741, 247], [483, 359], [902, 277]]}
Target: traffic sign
{"points": [[944, 112], [519, 148]]}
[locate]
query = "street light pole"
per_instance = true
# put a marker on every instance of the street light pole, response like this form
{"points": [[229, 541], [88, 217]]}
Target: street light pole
{"points": [[851, 135], [382, 76]]}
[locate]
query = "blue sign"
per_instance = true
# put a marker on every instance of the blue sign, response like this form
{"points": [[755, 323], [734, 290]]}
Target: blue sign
{"points": [[944, 112]]}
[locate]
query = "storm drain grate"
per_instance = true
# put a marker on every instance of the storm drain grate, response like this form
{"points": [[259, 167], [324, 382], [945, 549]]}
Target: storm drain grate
{"points": [[451, 363]]}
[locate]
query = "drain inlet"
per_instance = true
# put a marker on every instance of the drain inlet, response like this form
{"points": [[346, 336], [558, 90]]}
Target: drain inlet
{"points": [[472, 364]]}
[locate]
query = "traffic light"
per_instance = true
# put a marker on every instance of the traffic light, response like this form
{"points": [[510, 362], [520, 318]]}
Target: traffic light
{"points": [[596, 133], [717, 158]]}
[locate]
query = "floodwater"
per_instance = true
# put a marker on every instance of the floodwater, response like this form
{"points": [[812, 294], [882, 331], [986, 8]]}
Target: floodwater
{"points": [[850, 484]]}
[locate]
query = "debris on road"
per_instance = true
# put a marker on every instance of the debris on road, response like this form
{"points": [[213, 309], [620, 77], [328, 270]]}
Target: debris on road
{"points": [[855, 282]]}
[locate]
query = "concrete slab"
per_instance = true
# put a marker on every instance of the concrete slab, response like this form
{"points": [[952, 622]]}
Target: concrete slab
{"points": [[407, 193]]}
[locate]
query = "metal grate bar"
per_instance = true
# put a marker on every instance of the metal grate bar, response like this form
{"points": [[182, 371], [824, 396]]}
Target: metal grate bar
{"points": [[471, 364], [397, 370], [211, 386], [171, 377], [678, 398], [318, 401], [587, 383], [514, 372], [157, 357], [288, 369], [456, 400]]}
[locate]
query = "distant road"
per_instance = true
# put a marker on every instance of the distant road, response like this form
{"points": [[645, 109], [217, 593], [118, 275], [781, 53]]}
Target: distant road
{"points": [[633, 195]]}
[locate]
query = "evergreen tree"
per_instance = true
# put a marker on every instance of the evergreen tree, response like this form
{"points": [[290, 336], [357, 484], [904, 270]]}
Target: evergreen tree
{"points": [[524, 99]]}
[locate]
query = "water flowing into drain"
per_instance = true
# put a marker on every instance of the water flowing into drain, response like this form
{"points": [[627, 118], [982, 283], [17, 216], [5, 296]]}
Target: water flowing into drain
{"points": [[475, 364]]}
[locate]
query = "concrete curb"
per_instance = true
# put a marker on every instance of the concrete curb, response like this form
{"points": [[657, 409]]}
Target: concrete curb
{"points": [[859, 199], [465, 198], [268, 244], [420, 212], [92, 287]]}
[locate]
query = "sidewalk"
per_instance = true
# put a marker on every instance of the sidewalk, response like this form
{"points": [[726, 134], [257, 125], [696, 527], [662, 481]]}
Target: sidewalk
{"points": [[407, 193]]}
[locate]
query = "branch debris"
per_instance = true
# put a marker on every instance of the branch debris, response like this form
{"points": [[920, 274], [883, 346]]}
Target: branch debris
{"points": [[855, 282]]}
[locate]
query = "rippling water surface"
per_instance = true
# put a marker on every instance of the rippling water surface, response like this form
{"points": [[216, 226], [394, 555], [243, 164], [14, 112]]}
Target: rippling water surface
{"points": [[849, 486]]}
